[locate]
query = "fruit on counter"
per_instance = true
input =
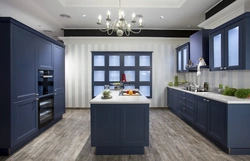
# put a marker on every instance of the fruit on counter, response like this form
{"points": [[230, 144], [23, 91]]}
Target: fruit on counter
{"points": [[131, 92]]}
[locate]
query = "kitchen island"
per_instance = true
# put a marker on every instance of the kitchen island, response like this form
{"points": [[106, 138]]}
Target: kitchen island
{"points": [[119, 125]]}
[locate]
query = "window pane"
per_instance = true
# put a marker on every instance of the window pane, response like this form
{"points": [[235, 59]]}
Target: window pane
{"points": [[179, 60], [145, 90], [99, 76], [129, 86], [130, 75], [114, 76], [114, 60], [184, 59], [98, 90], [144, 60], [99, 60], [217, 51], [144, 76], [233, 47], [129, 60]]}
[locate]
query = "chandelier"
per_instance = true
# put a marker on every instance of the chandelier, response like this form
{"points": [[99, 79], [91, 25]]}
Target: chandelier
{"points": [[120, 26]]}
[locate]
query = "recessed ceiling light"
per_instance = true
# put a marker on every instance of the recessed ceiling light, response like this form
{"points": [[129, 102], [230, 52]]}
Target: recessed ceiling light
{"points": [[84, 16], [65, 16], [47, 31], [161, 17]]}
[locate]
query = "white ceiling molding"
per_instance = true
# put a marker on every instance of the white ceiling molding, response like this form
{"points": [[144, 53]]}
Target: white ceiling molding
{"points": [[124, 3], [230, 12]]}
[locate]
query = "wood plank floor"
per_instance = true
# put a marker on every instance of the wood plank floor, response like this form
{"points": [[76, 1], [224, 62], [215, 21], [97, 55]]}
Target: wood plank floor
{"points": [[170, 140]]}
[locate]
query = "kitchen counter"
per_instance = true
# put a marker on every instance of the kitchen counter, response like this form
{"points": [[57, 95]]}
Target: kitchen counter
{"points": [[116, 99], [216, 96]]}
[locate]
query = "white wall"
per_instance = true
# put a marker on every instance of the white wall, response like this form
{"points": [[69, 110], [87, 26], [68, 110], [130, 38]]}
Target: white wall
{"points": [[78, 64]]}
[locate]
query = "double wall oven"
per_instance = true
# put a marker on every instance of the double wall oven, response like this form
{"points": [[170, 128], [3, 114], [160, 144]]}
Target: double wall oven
{"points": [[46, 97]]}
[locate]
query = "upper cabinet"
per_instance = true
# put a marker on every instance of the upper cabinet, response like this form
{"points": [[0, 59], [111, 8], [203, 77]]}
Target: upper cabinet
{"points": [[45, 56], [182, 57], [228, 45], [199, 46]]}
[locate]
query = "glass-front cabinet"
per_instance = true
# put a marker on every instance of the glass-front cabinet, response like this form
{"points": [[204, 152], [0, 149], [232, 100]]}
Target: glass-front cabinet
{"points": [[182, 57], [226, 48], [134, 69]]}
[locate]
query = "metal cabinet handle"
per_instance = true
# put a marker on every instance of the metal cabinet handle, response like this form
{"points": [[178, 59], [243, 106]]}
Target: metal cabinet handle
{"points": [[55, 94], [207, 100], [184, 98], [204, 99], [221, 68], [37, 94], [37, 99], [225, 67], [184, 109]]}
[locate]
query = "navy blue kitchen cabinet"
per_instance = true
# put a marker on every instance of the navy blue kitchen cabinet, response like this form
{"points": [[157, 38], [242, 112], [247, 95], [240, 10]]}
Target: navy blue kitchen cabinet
{"points": [[59, 81], [20, 58], [171, 100], [185, 104], [201, 113], [44, 54], [199, 47], [228, 45], [23, 70], [25, 121], [217, 119], [119, 128], [182, 57], [226, 125]]}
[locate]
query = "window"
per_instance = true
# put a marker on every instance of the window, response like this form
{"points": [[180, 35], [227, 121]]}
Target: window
{"points": [[108, 67]]}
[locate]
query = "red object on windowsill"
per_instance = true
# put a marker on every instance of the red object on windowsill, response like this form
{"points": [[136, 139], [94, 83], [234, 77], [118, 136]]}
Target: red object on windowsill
{"points": [[123, 78]]}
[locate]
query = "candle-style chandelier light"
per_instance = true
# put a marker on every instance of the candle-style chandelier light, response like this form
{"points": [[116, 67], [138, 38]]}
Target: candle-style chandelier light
{"points": [[120, 26]]}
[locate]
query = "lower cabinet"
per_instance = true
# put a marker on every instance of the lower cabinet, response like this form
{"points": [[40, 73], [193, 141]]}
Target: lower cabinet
{"points": [[171, 100], [217, 121], [185, 104], [119, 128], [201, 113], [25, 120]]}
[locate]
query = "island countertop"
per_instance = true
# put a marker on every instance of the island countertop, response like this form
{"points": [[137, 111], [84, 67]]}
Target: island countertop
{"points": [[116, 99]]}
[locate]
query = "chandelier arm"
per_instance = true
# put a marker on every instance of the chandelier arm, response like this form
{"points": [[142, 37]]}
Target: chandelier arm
{"points": [[127, 33], [134, 32], [110, 33]]}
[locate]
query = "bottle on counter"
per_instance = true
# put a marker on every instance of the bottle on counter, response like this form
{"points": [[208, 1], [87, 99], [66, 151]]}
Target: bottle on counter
{"points": [[205, 86]]}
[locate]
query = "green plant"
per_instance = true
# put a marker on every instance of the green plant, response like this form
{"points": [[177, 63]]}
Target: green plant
{"points": [[170, 84], [220, 86], [242, 93], [229, 91], [226, 87], [106, 92]]}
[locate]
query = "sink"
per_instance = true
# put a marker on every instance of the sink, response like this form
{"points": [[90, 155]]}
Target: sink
{"points": [[124, 93]]}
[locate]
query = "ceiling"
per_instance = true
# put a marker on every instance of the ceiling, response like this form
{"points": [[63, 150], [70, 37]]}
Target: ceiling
{"points": [[45, 14]]}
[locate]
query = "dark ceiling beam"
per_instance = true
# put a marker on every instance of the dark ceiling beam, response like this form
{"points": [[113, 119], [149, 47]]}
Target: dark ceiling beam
{"points": [[220, 6], [143, 33]]}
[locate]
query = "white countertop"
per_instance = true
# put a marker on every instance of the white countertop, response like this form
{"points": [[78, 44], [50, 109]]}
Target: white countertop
{"points": [[116, 99], [216, 97]]}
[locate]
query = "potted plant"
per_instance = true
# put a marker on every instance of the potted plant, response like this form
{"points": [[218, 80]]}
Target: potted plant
{"points": [[106, 93]]}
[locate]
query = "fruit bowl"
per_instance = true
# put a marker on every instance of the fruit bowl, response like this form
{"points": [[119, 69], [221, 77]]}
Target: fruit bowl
{"points": [[130, 92]]}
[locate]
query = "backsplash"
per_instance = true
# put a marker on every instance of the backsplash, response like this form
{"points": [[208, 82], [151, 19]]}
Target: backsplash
{"points": [[233, 78]]}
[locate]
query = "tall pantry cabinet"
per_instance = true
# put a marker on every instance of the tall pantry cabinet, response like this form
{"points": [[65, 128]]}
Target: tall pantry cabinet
{"points": [[23, 52]]}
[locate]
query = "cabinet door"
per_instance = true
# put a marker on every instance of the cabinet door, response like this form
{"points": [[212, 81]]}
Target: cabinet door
{"points": [[170, 97], [217, 121], [59, 89], [216, 52], [179, 60], [233, 47], [135, 125], [182, 57], [45, 56], [25, 120], [201, 113], [24, 72], [105, 125]]}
